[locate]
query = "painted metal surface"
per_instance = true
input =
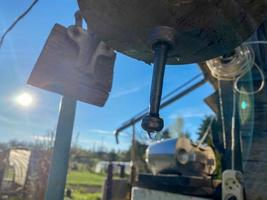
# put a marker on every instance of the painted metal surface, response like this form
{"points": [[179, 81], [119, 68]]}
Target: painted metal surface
{"points": [[59, 167]]}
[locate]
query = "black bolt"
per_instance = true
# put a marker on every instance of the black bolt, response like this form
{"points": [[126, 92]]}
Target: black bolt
{"points": [[162, 39]]}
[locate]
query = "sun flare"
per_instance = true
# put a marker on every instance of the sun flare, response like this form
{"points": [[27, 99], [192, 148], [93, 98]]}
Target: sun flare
{"points": [[24, 99]]}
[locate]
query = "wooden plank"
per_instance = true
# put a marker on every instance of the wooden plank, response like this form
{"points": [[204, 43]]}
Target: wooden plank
{"points": [[56, 69], [254, 131]]}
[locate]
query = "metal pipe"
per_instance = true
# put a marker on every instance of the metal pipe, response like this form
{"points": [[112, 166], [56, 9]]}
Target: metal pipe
{"points": [[161, 51], [169, 101], [152, 122], [60, 159], [183, 93]]}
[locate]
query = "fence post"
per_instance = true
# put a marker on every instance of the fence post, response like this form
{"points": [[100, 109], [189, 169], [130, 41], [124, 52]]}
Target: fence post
{"points": [[60, 159]]}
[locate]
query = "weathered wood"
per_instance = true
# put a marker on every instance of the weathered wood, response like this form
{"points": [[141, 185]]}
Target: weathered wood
{"points": [[56, 69], [212, 102], [205, 29], [254, 130], [121, 189], [256, 164]]}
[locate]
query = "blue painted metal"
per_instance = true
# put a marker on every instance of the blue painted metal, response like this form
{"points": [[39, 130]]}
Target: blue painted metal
{"points": [[59, 166]]}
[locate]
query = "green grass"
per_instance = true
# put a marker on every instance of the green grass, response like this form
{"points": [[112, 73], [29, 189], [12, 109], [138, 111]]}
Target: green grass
{"points": [[81, 181], [82, 196], [85, 178]]}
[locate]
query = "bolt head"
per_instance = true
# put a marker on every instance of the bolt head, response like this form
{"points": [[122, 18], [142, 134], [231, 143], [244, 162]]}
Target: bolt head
{"points": [[152, 124]]}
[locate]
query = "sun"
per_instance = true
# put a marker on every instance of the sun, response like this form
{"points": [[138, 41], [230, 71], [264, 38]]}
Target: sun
{"points": [[24, 99]]}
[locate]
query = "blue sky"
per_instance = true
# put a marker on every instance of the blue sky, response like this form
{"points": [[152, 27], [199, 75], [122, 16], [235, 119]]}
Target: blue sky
{"points": [[130, 91]]}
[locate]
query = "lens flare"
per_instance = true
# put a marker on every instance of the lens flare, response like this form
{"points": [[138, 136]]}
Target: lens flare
{"points": [[24, 99]]}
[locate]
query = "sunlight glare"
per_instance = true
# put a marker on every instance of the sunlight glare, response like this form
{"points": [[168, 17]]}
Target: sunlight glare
{"points": [[24, 99]]}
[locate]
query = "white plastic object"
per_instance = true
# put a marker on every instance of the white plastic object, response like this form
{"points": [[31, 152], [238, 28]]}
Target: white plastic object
{"points": [[232, 185]]}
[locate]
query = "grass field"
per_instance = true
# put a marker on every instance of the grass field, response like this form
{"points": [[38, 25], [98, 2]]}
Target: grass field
{"points": [[85, 185], [85, 178], [83, 196]]}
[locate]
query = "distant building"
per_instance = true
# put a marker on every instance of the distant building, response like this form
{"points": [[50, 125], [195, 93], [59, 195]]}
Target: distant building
{"points": [[102, 167]]}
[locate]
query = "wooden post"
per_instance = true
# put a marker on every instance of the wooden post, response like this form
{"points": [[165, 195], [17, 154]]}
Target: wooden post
{"points": [[227, 113], [133, 157], [108, 190]]}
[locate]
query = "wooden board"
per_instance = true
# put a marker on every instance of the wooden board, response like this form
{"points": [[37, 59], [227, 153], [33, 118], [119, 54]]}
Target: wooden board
{"points": [[56, 70]]}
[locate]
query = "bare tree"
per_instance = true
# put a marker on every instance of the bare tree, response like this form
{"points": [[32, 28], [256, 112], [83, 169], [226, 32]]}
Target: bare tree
{"points": [[177, 128]]}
